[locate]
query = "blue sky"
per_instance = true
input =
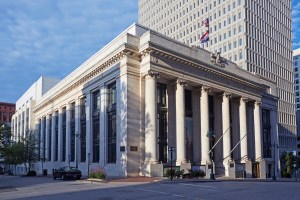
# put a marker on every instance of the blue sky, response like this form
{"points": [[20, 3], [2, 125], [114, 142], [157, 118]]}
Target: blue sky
{"points": [[53, 37]]}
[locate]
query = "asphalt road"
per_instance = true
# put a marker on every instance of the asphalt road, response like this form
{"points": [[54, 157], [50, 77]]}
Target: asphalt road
{"points": [[33, 188]]}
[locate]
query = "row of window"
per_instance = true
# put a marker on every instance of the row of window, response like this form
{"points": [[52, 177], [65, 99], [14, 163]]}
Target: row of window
{"points": [[95, 132], [4, 118]]}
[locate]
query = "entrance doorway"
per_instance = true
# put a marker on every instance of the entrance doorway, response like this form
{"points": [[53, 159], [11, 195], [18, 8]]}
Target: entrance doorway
{"points": [[255, 170]]}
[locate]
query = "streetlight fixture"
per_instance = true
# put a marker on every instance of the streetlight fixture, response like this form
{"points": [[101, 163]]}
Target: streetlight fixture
{"points": [[171, 149], [77, 135], [89, 155], [274, 175], [69, 159], [211, 136]]}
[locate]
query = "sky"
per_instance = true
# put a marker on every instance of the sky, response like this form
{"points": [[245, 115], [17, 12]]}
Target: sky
{"points": [[54, 37]]}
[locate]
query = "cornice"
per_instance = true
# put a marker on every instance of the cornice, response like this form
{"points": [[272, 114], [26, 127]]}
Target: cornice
{"points": [[183, 59], [85, 78]]}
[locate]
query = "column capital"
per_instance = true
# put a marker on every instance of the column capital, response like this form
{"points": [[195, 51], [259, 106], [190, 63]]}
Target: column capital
{"points": [[153, 74], [205, 89], [182, 82], [244, 99], [227, 94], [257, 103]]}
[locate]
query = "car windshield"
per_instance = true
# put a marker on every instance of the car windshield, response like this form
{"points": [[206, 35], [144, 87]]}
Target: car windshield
{"points": [[69, 168]]}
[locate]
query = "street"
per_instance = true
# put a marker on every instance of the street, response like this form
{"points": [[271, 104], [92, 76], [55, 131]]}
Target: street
{"points": [[25, 188]]}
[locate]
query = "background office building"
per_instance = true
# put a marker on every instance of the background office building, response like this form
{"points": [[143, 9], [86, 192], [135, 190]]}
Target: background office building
{"points": [[144, 92], [6, 112], [254, 34], [296, 59]]}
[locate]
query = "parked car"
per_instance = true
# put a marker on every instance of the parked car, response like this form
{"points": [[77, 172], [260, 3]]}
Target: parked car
{"points": [[67, 173]]}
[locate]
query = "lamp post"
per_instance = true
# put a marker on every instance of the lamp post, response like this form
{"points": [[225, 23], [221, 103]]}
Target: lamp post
{"points": [[89, 155], [77, 135], [171, 149], [274, 175], [211, 136], [69, 156]]}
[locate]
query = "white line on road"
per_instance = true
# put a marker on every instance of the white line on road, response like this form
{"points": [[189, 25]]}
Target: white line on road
{"points": [[165, 193], [206, 186]]}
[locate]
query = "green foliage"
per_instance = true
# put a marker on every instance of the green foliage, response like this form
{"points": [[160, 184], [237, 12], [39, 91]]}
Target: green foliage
{"points": [[174, 173], [198, 173], [98, 173], [288, 160], [5, 136], [286, 175]]}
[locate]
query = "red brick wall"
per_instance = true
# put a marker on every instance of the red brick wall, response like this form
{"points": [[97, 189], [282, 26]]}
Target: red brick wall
{"points": [[6, 112]]}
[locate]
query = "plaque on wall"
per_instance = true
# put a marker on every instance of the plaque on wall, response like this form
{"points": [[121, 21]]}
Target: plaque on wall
{"points": [[133, 148], [122, 148]]}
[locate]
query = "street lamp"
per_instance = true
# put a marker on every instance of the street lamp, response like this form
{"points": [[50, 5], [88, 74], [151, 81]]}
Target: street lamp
{"points": [[89, 155], [77, 135], [171, 149], [69, 159], [211, 136], [274, 175]]}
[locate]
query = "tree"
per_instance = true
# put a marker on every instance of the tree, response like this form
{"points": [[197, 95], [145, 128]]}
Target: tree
{"points": [[30, 146], [5, 135], [13, 154]]}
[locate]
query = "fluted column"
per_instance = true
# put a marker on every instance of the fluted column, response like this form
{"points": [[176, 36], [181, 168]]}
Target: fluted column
{"points": [[42, 139], [180, 123], [257, 130], [204, 126], [151, 117], [226, 128], [243, 130], [77, 132]]}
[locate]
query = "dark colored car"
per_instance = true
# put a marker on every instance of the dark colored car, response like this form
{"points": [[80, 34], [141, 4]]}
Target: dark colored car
{"points": [[67, 173]]}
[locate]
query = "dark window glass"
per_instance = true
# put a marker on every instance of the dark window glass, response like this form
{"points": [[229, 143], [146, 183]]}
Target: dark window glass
{"points": [[83, 129], [44, 139], [266, 133], [161, 94], [188, 103], [96, 101], [72, 131], [56, 136], [111, 138], [50, 137], [96, 138]]}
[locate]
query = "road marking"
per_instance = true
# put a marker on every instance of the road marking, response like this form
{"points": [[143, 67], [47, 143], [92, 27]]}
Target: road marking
{"points": [[206, 186], [165, 193]]}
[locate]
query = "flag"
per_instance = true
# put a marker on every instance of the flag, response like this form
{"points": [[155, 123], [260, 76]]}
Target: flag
{"points": [[205, 37], [206, 22]]}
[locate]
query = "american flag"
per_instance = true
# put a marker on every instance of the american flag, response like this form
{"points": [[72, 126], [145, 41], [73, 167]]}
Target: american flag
{"points": [[205, 37], [206, 22]]}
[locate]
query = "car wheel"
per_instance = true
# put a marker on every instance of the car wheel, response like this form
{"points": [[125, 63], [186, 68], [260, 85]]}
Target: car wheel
{"points": [[63, 177], [78, 177]]}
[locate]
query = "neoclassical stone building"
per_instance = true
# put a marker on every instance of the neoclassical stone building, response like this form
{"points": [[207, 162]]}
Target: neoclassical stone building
{"points": [[145, 92]]}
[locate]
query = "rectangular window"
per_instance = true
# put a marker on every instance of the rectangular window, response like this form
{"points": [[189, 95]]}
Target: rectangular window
{"points": [[50, 138], [266, 133], [82, 129], [111, 124], [64, 133], [72, 131]]}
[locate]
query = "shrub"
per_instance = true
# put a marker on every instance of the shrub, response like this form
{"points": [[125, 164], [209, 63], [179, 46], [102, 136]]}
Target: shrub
{"points": [[198, 174], [98, 173], [31, 173], [169, 173], [179, 173], [286, 175]]}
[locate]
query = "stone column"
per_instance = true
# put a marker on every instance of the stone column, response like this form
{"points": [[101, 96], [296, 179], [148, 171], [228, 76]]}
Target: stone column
{"points": [[60, 140], [47, 138], [41, 141], [204, 126], [88, 126], [243, 130], [68, 133], [77, 132], [226, 128], [257, 131], [151, 118], [53, 138], [180, 123], [103, 97]]}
